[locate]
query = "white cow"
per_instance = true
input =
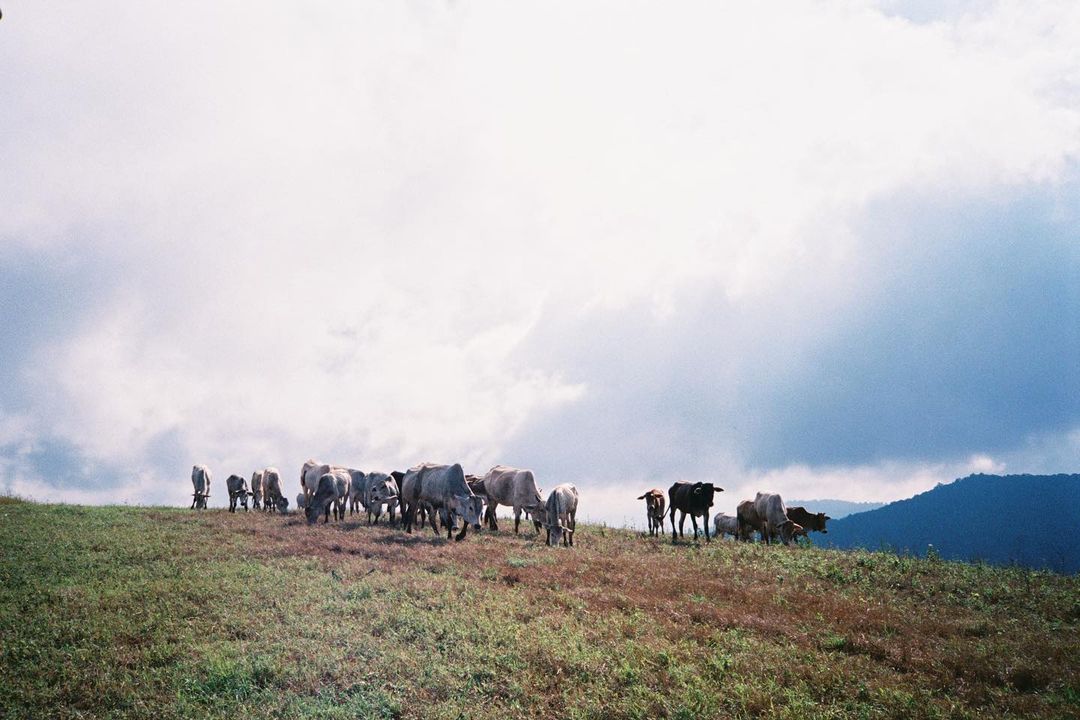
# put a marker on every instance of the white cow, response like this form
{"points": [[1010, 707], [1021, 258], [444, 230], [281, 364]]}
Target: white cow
{"points": [[256, 489], [200, 479], [726, 524], [332, 493], [442, 488], [380, 490], [273, 498], [770, 508], [238, 491], [503, 485], [559, 515]]}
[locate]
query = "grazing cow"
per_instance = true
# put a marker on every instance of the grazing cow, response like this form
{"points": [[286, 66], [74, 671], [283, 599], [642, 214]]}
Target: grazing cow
{"points": [[342, 483], [326, 495], [200, 479], [654, 510], [357, 490], [559, 515], [770, 508], [301, 501], [724, 524], [807, 520], [382, 490], [273, 498], [256, 490], [504, 485], [443, 489], [309, 477], [238, 490], [691, 499], [749, 520]]}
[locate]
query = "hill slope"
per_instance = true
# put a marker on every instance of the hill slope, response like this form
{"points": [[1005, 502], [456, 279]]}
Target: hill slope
{"points": [[169, 613], [1024, 519]]}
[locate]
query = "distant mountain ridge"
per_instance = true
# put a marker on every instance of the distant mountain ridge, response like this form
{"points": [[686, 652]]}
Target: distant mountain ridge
{"points": [[835, 509], [1028, 520]]}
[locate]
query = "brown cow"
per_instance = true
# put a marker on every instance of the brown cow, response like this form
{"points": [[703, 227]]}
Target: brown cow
{"points": [[654, 510], [749, 520], [809, 521]]}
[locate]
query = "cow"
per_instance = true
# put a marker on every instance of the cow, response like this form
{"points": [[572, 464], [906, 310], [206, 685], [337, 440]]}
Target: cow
{"points": [[273, 498], [654, 510], [200, 479], [412, 509], [238, 491], [442, 488], [357, 491], [309, 477], [256, 490], [748, 519], [558, 515], [770, 508], [382, 490], [301, 501], [342, 483], [807, 520], [326, 495], [503, 485], [724, 524], [691, 499]]}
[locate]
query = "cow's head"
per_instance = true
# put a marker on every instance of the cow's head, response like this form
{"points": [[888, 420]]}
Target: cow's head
{"points": [[704, 492], [282, 504], [556, 530]]}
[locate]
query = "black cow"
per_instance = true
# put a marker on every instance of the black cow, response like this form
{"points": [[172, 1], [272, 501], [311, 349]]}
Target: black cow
{"points": [[691, 499]]}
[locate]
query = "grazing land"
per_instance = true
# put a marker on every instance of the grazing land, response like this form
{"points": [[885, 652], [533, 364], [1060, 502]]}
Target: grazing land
{"points": [[167, 613]]}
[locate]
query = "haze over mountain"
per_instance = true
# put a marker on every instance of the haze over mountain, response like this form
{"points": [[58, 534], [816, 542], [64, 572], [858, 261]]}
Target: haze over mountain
{"points": [[1024, 519]]}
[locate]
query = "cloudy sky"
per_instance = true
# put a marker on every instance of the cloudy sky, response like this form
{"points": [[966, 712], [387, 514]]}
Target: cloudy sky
{"points": [[830, 249]]}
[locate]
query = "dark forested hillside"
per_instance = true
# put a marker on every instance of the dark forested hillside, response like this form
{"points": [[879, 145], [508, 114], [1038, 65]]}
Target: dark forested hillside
{"points": [[1026, 519]]}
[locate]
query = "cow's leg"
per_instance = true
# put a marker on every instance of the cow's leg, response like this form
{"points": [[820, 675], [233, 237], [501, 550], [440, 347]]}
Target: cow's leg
{"points": [[705, 524], [517, 519], [674, 537], [682, 522], [693, 521], [489, 513]]}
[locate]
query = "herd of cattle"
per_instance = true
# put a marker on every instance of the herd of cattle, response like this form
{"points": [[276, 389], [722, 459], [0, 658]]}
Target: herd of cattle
{"points": [[766, 514], [444, 494], [426, 493]]}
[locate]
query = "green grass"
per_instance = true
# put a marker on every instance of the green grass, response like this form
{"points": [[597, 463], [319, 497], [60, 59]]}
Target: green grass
{"points": [[168, 613]]}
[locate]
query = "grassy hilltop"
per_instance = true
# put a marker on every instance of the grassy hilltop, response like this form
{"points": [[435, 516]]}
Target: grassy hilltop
{"points": [[167, 613]]}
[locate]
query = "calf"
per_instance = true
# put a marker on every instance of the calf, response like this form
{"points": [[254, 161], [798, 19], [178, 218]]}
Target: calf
{"points": [[724, 524], [654, 510]]}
